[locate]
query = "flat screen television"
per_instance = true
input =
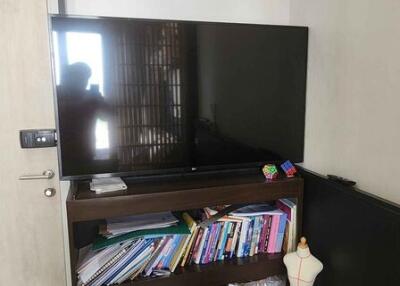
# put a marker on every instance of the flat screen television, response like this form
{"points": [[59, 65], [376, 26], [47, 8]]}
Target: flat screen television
{"points": [[139, 97]]}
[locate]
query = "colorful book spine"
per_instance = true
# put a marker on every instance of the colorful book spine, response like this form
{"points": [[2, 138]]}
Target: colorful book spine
{"points": [[253, 241], [235, 239], [174, 247], [193, 255], [156, 257], [179, 252], [207, 244], [263, 234], [259, 228], [191, 245], [260, 225], [164, 253], [222, 241], [249, 236], [214, 242], [229, 240], [242, 240], [203, 248], [268, 233], [189, 238]]}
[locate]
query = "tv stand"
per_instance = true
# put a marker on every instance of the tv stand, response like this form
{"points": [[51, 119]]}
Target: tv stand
{"points": [[182, 194]]}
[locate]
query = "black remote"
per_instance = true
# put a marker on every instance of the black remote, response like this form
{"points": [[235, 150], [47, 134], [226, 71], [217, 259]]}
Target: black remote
{"points": [[342, 180]]}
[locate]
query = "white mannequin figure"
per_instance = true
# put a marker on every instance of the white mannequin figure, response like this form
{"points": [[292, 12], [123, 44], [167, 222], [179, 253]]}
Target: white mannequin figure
{"points": [[302, 267]]}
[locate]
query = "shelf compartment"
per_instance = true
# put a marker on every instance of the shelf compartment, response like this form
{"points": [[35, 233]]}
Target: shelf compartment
{"points": [[150, 197], [183, 194]]}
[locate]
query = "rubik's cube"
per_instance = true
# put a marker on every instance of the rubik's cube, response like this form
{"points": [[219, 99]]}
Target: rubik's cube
{"points": [[289, 169], [270, 172]]}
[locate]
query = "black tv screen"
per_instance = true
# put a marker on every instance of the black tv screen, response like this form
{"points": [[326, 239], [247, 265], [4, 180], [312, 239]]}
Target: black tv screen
{"points": [[141, 96]]}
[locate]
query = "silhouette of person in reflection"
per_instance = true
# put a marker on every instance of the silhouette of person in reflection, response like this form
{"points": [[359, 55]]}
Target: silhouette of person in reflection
{"points": [[78, 110]]}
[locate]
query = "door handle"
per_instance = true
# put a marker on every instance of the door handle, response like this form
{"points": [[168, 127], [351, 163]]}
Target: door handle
{"points": [[47, 174]]}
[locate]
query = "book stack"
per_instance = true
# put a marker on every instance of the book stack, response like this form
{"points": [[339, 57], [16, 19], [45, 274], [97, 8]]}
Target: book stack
{"points": [[245, 232], [156, 244]]}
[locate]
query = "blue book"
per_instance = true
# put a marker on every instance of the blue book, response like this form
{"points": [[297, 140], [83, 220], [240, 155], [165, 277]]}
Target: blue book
{"points": [[174, 247], [235, 228], [210, 241], [206, 246], [249, 237], [214, 243], [221, 250], [242, 238], [254, 235], [239, 250], [281, 232]]}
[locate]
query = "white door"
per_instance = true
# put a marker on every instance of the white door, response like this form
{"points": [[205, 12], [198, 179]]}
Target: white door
{"points": [[31, 239]]}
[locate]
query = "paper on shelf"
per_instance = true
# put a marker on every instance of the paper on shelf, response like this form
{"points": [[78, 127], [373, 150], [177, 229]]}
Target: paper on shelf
{"points": [[256, 210], [123, 225]]}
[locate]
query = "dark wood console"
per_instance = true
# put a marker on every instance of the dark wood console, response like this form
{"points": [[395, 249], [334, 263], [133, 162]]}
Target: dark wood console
{"points": [[183, 194]]}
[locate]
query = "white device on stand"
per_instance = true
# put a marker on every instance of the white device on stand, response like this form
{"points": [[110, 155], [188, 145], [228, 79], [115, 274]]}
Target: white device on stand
{"points": [[106, 185]]}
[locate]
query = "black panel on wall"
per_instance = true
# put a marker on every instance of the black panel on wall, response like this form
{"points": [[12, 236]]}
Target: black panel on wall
{"points": [[355, 235]]}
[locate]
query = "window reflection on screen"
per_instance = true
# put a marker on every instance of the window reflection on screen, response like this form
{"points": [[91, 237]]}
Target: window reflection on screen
{"points": [[87, 48]]}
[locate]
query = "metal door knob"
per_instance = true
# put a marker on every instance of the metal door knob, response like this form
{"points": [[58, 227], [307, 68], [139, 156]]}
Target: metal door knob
{"points": [[49, 192]]}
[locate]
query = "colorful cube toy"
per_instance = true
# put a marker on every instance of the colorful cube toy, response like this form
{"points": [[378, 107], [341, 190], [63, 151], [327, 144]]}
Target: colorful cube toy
{"points": [[270, 172], [289, 169]]}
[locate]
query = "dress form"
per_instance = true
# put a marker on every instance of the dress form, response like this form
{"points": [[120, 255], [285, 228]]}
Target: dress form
{"points": [[302, 267]]}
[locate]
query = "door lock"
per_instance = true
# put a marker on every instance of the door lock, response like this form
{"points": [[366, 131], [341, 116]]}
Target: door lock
{"points": [[49, 192]]}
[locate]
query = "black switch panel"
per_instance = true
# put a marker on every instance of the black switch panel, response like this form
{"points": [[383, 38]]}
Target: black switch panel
{"points": [[37, 138]]}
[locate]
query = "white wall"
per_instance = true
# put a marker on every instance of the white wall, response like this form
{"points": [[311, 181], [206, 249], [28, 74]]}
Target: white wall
{"points": [[353, 97], [248, 11]]}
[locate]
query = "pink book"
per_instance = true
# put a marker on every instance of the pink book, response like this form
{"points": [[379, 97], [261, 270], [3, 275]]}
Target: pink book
{"points": [[273, 234]]}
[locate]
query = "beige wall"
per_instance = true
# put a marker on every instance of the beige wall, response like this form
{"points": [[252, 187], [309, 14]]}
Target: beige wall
{"points": [[353, 98], [31, 241]]}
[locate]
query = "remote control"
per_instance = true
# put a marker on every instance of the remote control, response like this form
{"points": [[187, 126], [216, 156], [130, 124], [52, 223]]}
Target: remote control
{"points": [[341, 180]]}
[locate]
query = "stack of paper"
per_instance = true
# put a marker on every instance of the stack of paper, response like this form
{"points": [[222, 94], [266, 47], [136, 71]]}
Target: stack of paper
{"points": [[123, 225]]}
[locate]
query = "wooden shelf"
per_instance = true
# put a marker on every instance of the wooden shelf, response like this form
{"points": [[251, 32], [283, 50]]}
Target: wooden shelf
{"points": [[220, 273], [192, 193], [184, 193]]}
